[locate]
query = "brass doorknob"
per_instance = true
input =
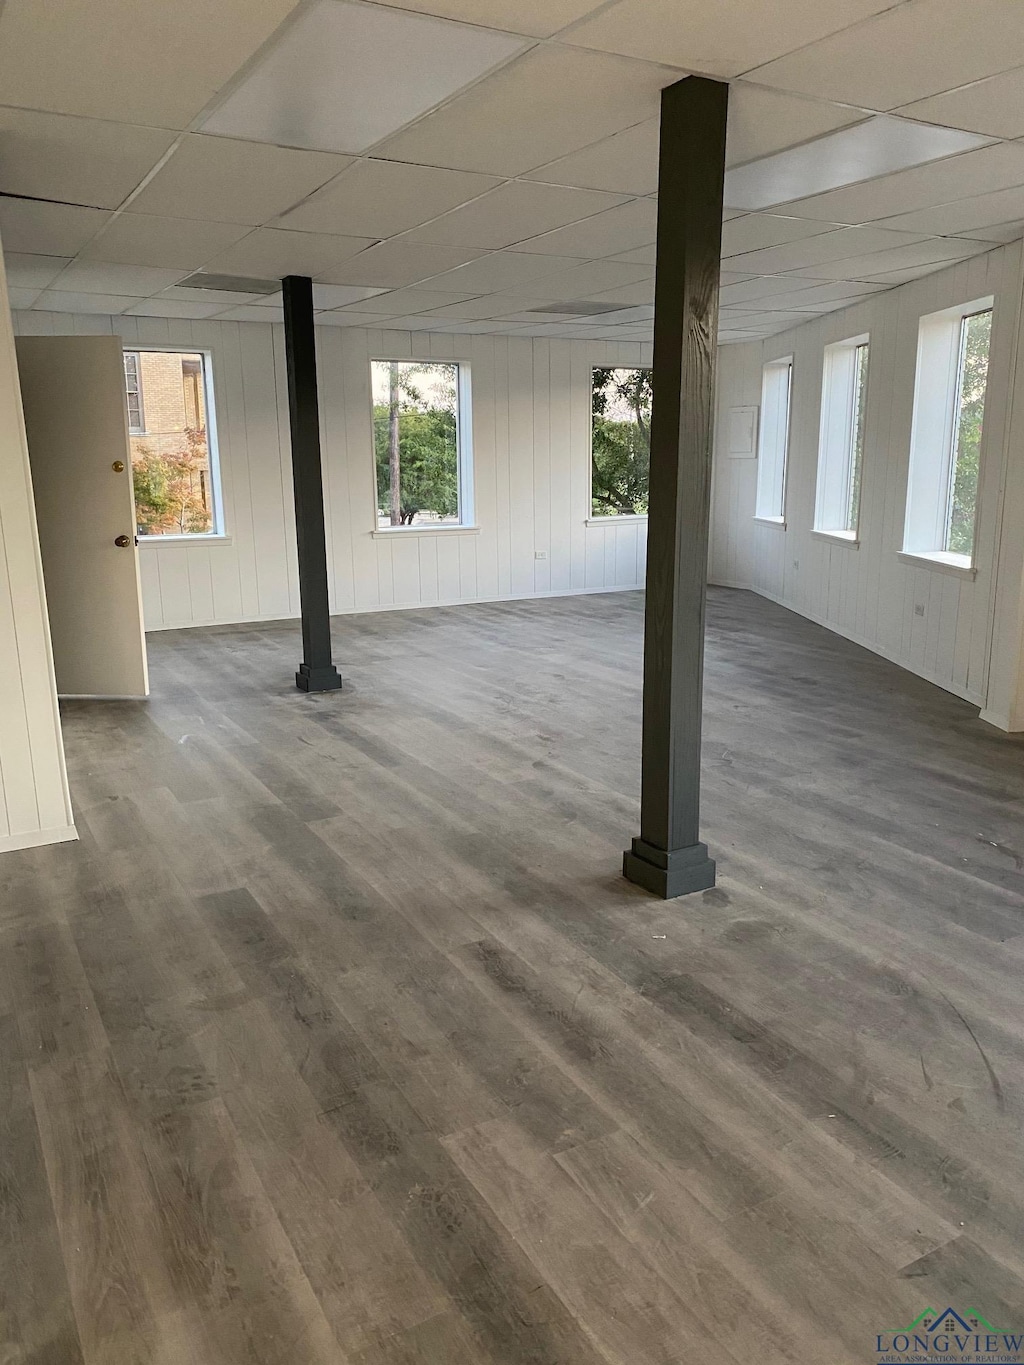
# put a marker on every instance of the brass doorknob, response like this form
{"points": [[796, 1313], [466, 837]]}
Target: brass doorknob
{"points": [[122, 542], [118, 466]]}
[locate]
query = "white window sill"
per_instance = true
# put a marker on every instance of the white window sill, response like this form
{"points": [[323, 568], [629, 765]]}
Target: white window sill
{"points": [[185, 540], [616, 520], [942, 561], [385, 532], [780, 522], [838, 537]]}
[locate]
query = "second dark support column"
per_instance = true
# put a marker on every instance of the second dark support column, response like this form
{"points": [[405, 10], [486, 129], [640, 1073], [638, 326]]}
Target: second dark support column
{"points": [[316, 673], [668, 858]]}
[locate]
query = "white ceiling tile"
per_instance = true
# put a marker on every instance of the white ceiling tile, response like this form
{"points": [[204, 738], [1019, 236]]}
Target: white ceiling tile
{"points": [[96, 277], [502, 270], [815, 251], [629, 295], [343, 76], [981, 172], [818, 295], [631, 226], [911, 51], [867, 266], [586, 280], [32, 272], [969, 217], [249, 313], [154, 63], [871, 149], [538, 18], [48, 229], [272, 253], [75, 160], [644, 255], [762, 122], [61, 301], [173, 308], [757, 230], [471, 310], [552, 101], [338, 295], [994, 106], [220, 179], [381, 198], [341, 318], [625, 163], [20, 297], [759, 287], [518, 210], [721, 39], [391, 265], [411, 301], [172, 243]]}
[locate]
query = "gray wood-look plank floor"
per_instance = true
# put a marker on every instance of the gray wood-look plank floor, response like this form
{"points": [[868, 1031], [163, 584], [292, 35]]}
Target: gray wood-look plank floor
{"points": [[339, 1038]]}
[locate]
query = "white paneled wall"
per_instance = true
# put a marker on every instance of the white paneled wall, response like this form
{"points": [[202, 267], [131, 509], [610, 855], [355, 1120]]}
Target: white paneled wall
{"points": [[939, 624], [34, 803], [531, 448]]}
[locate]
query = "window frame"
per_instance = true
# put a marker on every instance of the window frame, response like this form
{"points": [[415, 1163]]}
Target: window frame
{"points": [[777, 363], [836, 499], [938, 386], [219, 531], [140, 429], [463, 450], [617, 518]]}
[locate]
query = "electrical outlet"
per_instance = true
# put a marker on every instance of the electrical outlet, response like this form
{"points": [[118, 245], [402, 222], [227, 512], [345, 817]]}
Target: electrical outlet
{"points": [[540, 554], [919, 609]]}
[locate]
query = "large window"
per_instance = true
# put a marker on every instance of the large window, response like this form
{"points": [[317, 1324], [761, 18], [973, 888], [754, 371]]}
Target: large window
{"points": [[421, 428], [841, 443], [945, 452], [620, 442], [773, 443], [168, 394]]}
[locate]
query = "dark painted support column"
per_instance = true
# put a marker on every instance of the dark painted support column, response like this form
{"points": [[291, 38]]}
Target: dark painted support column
{"points": [[669, 858], [316, 672]]}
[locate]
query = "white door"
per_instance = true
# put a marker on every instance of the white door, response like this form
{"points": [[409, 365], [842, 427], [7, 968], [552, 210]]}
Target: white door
{"points": [[75, 416]]}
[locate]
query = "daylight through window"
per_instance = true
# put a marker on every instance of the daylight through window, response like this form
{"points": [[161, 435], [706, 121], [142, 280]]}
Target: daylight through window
{"points": [[773, 443], [173, 470], [420, 443], [620, 442], [949, 412], [841, 443]]}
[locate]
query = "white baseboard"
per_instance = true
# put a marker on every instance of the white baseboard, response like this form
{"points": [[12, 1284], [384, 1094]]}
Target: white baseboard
{"points": [[399, 606], [37, 837], [1010, 725]]}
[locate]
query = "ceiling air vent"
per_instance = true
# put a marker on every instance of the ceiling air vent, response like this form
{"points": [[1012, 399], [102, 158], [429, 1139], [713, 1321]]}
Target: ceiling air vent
{"points": [[231, 284], [579, 308]]}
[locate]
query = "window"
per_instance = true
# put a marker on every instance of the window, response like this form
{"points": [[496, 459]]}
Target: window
{"points": [[945, 445], [773, 445], [133, 389], [172, 444], [841, 443], [620, 442], [421, 430]]}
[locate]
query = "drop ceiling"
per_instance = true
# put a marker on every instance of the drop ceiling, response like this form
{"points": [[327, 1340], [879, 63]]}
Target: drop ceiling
{"points": [[471, 165]]}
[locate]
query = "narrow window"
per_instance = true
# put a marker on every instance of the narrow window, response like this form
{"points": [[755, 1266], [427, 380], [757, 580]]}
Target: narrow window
{"points": [[945, 448], [841, 441], [174, 458], [421, 427], [773, 443], [133, 390], [620, 442]]}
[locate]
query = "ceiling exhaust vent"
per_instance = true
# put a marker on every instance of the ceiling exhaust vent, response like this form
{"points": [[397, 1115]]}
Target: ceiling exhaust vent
{"points": [[230, 284], [579, 308]]}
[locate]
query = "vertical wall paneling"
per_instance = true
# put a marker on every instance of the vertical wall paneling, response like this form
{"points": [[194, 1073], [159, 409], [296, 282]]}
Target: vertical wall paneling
{"points": [[937, 624]]}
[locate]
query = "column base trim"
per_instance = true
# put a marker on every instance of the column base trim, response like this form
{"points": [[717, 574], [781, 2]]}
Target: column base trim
{"points": [[325, 679], [668, 875]]}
